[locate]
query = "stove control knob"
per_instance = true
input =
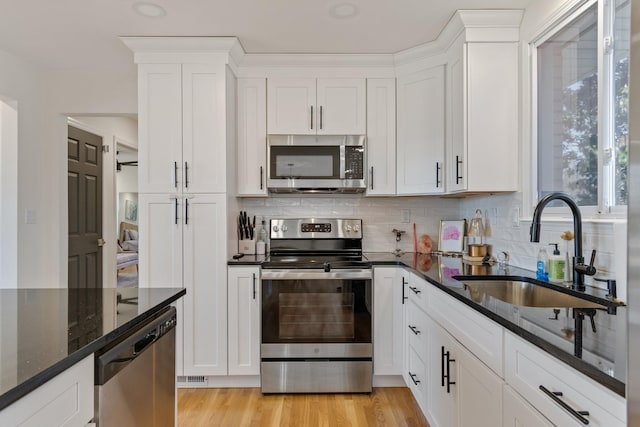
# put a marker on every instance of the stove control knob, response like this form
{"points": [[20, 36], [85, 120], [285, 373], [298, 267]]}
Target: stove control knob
{"points": [[348, 228], [356, 228], [275, 228], [284, 228]]}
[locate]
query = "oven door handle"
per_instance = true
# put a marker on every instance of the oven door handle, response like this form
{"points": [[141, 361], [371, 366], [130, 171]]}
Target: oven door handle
{"points": [[293, 274]]}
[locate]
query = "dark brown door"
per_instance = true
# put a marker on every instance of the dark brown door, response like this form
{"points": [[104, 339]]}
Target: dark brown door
{"points": [[85, 209]]}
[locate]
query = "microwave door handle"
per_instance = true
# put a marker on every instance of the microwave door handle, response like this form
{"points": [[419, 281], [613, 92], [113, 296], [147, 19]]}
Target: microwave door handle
{"points": [[342, 162]]}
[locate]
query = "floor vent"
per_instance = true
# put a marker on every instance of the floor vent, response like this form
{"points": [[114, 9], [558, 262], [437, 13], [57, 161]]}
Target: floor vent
{"points": [[192, 381]]}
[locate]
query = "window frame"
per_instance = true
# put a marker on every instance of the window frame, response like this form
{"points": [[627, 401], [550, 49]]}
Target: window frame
{"points": [[605, 210]]}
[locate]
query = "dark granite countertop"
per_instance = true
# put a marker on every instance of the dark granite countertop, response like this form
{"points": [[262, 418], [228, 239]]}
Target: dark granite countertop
{"points": [[248, 260], [603, 352], [46, 331]]}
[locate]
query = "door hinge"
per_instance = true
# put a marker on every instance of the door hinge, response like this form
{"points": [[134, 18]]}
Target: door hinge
{"points": [[105, 148]]}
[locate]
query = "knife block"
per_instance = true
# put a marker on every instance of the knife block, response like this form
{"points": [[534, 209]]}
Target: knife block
{"points": [[247, 246]]}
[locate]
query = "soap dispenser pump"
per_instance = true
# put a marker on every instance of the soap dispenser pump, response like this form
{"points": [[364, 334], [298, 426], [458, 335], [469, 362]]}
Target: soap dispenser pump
{"points": [[556, 265], [541, 272]]}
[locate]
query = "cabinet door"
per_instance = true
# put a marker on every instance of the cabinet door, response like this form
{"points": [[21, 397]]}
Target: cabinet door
{"points": [[252, 137], [291, 106], [159, 128], [381, 137], [479, 401], [388, 324], [205, 278], [65, 400], [341, 107], [442, 400], [516, 412], [204, 134], [456, 124], [244, 320], [160, 241], [421, 133]]}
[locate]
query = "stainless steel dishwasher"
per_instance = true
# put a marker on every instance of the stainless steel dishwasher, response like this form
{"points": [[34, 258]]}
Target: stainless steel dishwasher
{"points": [[136, 377]]}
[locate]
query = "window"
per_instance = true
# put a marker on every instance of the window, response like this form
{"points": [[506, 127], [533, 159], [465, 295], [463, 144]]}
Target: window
{"points": [[582, 102]]}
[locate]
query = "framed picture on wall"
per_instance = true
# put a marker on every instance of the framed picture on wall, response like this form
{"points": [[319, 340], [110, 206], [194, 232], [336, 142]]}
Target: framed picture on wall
{"points": [[451, 239], [130, 210]]}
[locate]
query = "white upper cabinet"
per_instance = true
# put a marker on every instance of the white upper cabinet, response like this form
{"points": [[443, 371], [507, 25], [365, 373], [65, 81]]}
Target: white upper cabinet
{"points": [[252, 137], [381, 137], [482, 80], [179, 137], [421, 132], [309, 106], [159, 127]]}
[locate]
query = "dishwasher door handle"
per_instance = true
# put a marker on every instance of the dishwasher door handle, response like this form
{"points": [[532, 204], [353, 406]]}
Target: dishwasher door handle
{"points": [[144, 343]]}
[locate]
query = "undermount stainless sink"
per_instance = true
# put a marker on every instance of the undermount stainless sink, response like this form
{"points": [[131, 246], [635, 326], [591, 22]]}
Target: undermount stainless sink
{"points": [[518, 292]]}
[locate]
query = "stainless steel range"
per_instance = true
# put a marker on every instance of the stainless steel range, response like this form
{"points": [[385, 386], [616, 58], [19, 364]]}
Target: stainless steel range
{"points": [[316, 308]]}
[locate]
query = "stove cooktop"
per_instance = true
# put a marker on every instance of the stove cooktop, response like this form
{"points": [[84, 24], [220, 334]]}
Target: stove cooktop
{"points": [[297, 261]]}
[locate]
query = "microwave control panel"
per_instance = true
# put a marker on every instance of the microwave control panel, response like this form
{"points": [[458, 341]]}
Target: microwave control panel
{"points": [[354, 162]]}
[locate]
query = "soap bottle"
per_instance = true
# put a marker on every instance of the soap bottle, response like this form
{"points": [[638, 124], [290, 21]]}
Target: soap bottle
{"points": [[556, 265], [541, 271], [261, 244]]}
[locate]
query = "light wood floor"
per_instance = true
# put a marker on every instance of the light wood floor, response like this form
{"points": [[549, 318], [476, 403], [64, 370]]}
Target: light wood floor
{"points": [[235, 407]]}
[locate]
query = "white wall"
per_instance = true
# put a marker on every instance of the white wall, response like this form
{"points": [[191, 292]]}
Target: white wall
{"points": [[43, 101], [8, 196]]}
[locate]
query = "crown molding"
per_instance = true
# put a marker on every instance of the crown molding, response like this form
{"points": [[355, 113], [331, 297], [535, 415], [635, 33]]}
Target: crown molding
{"points": [[499, 25], [303, 60], [177, 49]]}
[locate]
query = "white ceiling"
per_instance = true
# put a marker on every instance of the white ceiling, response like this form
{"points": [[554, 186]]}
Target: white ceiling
{"points": [[83, 34]]}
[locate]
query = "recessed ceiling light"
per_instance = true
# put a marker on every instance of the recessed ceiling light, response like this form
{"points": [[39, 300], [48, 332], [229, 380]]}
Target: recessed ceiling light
{"points": [[150, 10], [343, 10]]}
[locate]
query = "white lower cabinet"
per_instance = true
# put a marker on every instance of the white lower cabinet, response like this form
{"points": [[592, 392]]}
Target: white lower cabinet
{"points": [[388, 320], [517, 412], [451, 385], [65, 400], [183, 243], [553, 387], [462, 390], [244, 320]]}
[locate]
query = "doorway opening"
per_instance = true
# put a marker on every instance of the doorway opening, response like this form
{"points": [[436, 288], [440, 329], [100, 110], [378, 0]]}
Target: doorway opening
{"points": [[119, 133]]}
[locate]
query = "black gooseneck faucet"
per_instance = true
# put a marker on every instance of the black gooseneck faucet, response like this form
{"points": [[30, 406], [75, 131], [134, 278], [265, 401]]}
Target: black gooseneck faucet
{"points": [[579, 267]]}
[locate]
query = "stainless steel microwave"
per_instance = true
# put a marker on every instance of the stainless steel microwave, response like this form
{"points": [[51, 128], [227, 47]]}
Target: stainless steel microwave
{"points": [[316, 164]]}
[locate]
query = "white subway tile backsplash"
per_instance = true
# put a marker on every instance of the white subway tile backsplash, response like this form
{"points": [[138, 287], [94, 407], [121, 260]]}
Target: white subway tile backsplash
{"points": [[380, 215]]}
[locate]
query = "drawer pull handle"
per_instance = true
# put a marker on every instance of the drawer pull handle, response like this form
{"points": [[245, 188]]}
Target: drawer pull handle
{"points": [[415, 290], [414, 330], [446, 366], [403, 296], [413, 378], [555, 396]]}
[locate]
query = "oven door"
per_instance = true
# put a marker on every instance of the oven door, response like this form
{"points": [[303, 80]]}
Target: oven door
{"points": [[311, 313]]}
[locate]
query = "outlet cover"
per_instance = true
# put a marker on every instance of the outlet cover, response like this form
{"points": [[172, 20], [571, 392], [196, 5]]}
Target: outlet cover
{"points": [[406, 216]]}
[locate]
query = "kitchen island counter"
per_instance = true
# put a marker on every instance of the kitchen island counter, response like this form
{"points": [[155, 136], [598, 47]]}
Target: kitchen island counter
{"points": [[46, 331]]}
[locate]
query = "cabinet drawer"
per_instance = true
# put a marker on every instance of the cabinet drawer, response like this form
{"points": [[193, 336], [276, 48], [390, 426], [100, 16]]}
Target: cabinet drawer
{"points": [[417, 376], [480, 335], [529, 368], [66, 400], [417, 328], [416, 290]]}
